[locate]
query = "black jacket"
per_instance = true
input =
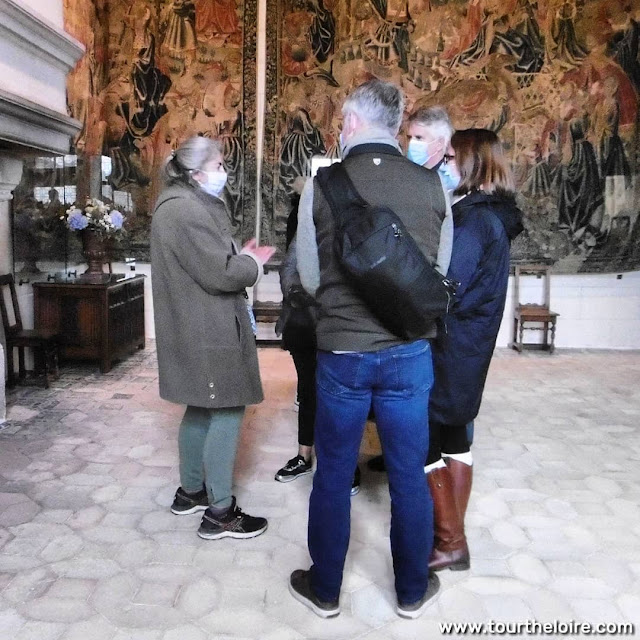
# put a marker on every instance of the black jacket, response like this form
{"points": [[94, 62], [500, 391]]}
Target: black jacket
{"points": [[484, 226], [298, 318]]}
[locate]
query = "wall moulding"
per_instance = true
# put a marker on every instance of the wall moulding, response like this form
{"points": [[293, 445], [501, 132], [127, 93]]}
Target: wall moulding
{"points": [[27, 124], [38, 36]]}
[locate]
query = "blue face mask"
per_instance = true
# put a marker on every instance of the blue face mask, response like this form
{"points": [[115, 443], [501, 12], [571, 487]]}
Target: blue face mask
{"points": [[215, 183], [418, 151], [449, 180]]}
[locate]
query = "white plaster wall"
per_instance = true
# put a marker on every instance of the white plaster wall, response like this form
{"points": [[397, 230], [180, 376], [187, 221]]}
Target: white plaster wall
{"points": [[50, 10], [596, 311]]}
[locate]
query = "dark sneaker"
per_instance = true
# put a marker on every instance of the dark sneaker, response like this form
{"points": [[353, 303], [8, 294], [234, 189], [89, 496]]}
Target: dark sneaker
{"points": [[300, 589], [355, 487], [232, 523], [185, 503], [416, 609], [295, 468]]}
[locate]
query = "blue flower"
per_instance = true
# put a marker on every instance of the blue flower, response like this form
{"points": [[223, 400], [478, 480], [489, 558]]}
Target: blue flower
{"points": [[117, 219], [77, 221]]}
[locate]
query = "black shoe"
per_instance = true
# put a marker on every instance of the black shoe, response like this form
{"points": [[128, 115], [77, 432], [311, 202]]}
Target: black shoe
{"points": [[185, 503], [377, 464], [416, 609], [295, 468], [231, 523], [355, 487], [300, 589]]}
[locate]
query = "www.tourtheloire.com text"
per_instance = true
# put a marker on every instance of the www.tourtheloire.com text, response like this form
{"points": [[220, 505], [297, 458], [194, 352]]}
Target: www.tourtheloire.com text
{"points": [[533, 628]]}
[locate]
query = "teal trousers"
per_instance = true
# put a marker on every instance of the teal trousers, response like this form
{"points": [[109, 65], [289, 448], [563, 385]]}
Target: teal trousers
{"points": [[207, 444]]}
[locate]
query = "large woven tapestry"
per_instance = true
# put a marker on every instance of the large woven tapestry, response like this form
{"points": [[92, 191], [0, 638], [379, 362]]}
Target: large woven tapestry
{"points": [[155, 73], [558, 81]]}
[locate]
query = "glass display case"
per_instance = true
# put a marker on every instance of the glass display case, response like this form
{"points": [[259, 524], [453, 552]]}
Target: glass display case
{"points": [[43, 246]]}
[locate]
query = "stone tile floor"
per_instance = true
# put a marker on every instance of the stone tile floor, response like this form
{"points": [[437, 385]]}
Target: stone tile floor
{"points": [[90, 551]]}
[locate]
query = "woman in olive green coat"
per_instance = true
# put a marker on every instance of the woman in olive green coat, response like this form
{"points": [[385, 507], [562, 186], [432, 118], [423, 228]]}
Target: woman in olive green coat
{"points": [[206, 347]]}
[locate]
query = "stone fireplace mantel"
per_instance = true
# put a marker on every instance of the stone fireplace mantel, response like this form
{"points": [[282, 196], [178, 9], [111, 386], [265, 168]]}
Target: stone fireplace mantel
{"points": [[34, 51], [32, 126], [38, 36]]}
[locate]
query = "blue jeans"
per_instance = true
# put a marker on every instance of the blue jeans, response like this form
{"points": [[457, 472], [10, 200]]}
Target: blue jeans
{"points": [[396, 382]]}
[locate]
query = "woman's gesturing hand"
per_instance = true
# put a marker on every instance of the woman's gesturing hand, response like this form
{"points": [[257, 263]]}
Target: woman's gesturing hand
{"points": [[263, 252]]}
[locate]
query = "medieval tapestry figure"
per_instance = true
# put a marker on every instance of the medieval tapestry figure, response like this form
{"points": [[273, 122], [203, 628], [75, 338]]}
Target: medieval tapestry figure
{"points": [[581, 201], [564, 45], [180, 36]]}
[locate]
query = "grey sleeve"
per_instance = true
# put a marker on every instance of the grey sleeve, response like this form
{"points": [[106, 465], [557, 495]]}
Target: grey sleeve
{"points": [[306, 244], [206, 254], [446, 236]]}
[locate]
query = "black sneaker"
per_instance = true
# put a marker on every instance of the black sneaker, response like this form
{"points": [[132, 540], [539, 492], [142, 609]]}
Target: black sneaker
{"points": [[416, 609], [300, 589], [355, 487], [185, 503], [295, 468], [232, 523]]}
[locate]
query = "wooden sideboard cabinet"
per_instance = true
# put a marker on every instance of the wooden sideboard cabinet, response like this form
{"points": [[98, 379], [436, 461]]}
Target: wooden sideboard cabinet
{"points": [[103, 322]]}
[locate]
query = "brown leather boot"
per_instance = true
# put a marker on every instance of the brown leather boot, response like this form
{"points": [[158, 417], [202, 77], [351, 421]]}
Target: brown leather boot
{"points": [[450, 549], [462, 479]]}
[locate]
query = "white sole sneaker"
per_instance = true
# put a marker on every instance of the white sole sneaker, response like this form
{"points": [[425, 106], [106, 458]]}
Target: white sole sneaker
{"points": [[196, 509], [292, 478], [218, 535]]}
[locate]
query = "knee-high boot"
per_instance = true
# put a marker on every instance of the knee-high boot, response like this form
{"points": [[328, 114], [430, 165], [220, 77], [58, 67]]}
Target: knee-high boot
{"points": [[450, 549], [462, 479]]}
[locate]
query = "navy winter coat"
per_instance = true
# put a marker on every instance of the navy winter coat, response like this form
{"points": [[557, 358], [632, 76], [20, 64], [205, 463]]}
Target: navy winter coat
{"points": [[484, 226]]}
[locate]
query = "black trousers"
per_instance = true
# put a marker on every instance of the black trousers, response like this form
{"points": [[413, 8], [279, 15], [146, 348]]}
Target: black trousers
{"points": [[305, 363], [448, 438]]}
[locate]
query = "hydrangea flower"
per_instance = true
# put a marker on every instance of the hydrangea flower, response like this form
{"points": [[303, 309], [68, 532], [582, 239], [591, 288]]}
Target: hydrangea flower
{"points": [[117, 219], [77, 221], [96, 215]]}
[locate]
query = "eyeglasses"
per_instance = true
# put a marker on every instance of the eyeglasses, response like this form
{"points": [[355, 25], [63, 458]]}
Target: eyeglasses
{"points": [[447, 158]]}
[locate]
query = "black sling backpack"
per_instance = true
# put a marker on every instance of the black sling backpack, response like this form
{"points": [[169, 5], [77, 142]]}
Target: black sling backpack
{"points": [[382, 261]]}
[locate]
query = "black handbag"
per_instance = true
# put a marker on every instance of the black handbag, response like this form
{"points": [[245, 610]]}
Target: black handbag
{"points": [[382, 262]]}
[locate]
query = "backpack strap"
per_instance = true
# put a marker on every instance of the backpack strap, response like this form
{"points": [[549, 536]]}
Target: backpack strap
{"points": [[339, 190]]}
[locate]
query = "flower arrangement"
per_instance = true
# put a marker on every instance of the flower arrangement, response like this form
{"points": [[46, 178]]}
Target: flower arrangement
{"points": [[96, 216]]}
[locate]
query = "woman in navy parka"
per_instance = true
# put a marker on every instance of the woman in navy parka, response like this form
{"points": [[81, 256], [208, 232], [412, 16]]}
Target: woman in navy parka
{"points": [[486, 219]]}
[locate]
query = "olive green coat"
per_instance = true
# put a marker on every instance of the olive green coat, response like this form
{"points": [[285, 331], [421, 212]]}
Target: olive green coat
{"points": [[206, 347]]}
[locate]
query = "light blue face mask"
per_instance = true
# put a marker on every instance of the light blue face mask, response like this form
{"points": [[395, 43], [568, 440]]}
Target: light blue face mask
{"points": [[215, 183], [341, 142], [418, 151], [449, 180]]}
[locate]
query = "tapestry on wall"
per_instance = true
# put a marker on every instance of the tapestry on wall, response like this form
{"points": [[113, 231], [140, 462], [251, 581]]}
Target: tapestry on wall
{"points": [[558, 80], [155, 73]]}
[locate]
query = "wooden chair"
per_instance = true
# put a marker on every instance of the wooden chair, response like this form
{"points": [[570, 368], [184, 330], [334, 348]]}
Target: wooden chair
{"points": [[43, 345], [268, 311], [533, 316]]}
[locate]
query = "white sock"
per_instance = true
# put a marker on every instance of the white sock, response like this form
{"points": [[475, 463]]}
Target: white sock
{"points": [[438, 464], [465, 458]]}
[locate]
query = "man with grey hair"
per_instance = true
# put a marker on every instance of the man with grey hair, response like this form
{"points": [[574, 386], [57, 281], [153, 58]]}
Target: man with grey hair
{"points": [[361, 364], [429, 133]]}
